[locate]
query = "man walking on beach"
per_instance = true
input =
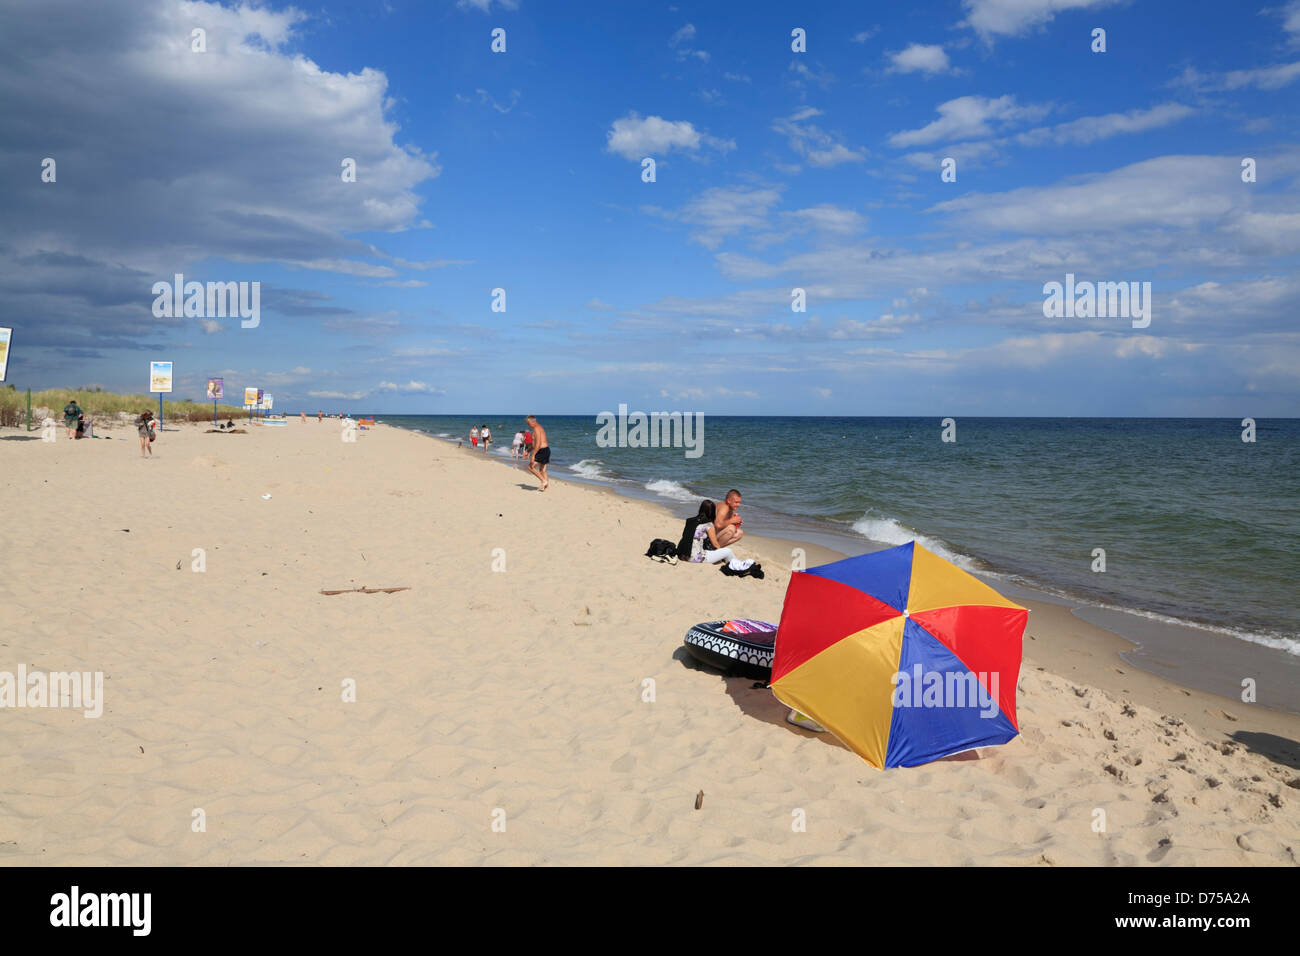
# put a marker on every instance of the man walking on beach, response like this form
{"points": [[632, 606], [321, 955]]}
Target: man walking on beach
{"points": [[541, 453], [727, 522], [71, 412]]}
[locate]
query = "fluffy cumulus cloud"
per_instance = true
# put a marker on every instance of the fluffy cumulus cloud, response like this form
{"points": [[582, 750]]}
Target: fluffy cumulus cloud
{"points": [[232, 153], [635, 137], [920, 58], [994, 18], [969, 117]]}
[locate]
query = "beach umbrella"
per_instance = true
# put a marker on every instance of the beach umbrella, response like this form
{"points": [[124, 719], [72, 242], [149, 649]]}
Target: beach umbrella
{"points": [[900, 654]]}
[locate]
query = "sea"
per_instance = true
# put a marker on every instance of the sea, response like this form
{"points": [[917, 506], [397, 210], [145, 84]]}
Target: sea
{"points": [[1171, 520]]}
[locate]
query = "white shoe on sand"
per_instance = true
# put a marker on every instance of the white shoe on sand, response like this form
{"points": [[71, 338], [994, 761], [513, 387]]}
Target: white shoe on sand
{"points": [[803, 722]]}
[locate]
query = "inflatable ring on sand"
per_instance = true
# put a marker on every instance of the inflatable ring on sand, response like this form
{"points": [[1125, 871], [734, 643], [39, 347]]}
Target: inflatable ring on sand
{"points": [[739, 646]]}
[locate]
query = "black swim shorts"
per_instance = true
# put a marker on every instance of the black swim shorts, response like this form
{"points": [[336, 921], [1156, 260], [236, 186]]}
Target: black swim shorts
{"points": [[543, 455]]}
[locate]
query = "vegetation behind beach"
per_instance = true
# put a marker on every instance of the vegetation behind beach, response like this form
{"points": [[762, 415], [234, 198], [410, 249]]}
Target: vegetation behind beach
{"points": [[50, 403]]}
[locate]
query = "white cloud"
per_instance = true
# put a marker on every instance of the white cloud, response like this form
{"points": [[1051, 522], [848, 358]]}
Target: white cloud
{"points": [[411, 386], [1081, 131], [919, 58], [485, 6], [232, 132], [1262, 78], [210, 326], [1291, 20], [1089, 129], [634, 137], [990, 18], [699, 394], [805, 74], [724, 211], [969, 117], [487, 99], [421, 352], [351, 396], [681, 42], [816, 146], [1171, 191], [864, 35], [966, 154], [830, 218]]}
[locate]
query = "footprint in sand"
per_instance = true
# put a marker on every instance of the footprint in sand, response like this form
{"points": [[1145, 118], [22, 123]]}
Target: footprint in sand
{"points": [[624, 763], [1162, 848]]}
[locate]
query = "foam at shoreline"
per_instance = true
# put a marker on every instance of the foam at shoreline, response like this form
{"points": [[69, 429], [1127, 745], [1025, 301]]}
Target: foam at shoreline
{"points": [[887, 532]]}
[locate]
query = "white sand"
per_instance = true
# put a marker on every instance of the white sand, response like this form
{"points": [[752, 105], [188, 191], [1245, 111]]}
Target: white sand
{"points": [[519, 690]]}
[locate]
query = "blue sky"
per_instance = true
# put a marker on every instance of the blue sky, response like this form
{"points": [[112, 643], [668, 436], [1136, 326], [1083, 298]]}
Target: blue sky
{"points": [[775, 169]]}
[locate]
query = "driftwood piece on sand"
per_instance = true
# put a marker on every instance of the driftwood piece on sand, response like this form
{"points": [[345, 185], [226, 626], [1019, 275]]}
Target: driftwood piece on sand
{"points": [[366, 590]]}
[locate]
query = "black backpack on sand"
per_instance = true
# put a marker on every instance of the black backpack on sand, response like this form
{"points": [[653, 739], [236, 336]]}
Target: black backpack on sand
{"points": [[660, 547]]}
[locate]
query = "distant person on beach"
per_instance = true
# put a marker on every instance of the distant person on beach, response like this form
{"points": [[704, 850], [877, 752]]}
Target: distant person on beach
{"points": [[541, 453], [517, 446], [319, 416], [487, 436], [71, 412], [473, 435], [528, 443], [143, 428], [728, 522]]}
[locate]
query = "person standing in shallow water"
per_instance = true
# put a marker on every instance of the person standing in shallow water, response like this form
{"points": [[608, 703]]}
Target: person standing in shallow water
{"points": [[541, 456]]}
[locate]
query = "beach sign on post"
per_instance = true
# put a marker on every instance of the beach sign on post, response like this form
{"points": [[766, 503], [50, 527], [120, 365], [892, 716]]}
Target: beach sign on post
{"points": [[250, 400], [160, 380], [260, 393], [216, 392], [5, 336]]}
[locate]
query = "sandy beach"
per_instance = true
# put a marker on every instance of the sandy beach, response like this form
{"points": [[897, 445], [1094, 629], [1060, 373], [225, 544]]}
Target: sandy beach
{"points": [[517, 694]]}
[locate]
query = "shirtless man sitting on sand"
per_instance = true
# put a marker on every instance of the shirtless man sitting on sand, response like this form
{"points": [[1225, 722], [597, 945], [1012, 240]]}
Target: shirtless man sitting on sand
{"points": [[541, 456], [727, 522]]}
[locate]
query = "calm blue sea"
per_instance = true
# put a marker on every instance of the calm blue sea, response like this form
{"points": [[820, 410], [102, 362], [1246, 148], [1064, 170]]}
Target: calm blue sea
{"points": [[1196, 524]]}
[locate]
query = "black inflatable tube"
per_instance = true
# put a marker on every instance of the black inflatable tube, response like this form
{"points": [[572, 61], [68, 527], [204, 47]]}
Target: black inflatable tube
{"points": [[748, 655]]}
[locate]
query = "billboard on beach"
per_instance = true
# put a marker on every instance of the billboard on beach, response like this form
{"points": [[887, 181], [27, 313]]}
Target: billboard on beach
{"points": [[250, 396], [5, 336], [268, 402], [160, 376], [216, 389]]}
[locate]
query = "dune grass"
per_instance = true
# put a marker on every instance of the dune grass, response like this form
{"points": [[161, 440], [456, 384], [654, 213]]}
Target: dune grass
{"points": [[13, 405]]}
